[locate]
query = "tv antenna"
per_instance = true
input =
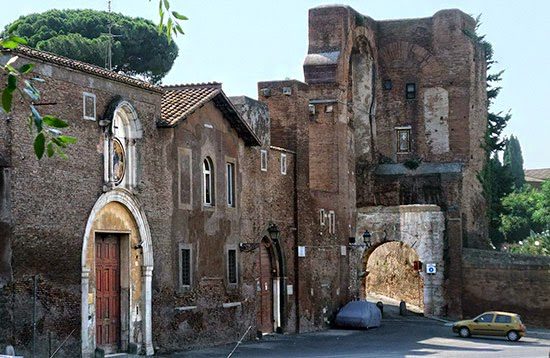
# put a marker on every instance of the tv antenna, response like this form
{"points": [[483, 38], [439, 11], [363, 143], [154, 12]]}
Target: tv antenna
{"points": [[109, 61]]}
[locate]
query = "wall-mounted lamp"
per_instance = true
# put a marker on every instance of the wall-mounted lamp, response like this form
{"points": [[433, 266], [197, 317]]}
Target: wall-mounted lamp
{"points": [[274, 232]]}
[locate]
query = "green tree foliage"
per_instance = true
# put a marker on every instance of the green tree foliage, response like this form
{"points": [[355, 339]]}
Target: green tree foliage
{"points": [[535, 244], [514, 160], [525, 211], [494, 176], [138, 48], [499, 186]]}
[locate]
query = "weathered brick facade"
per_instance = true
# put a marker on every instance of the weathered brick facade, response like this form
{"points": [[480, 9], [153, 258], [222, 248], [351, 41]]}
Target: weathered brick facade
{"points": [[203, 264]]}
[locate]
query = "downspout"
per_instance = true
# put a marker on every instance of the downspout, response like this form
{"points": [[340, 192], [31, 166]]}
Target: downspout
{"points": [[295, 250]]}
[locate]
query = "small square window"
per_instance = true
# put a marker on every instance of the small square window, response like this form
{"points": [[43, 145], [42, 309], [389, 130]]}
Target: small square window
{"points": [[283, 164], [388, 85], [311, 109], [403, 140], [89, 106], [287, 91], [411, 90], [263, 160], [329, 108]]}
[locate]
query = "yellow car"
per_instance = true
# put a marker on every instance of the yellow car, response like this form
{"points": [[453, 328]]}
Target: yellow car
{"points": [[492, 324]]}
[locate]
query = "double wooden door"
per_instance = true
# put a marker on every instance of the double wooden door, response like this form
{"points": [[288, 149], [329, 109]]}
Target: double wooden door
{"points": [[108, 292]]}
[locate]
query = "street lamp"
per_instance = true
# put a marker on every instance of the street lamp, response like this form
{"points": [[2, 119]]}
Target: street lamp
{"points": [[274, 232]]}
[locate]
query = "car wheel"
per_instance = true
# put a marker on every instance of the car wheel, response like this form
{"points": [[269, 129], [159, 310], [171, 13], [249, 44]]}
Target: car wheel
{"points": [[513, 336], [464, 332]]}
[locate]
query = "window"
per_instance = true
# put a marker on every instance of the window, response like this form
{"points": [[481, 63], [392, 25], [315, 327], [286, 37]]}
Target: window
{"points": [[185, 260], [232, 266], [88, 104], [503, 319], [403, 139], [388, 85], [486, 318], [410, 91], [331, 222], [263, 156], [230, 184], [283, 164], [322, 217], [208, 182], [329, 108]]}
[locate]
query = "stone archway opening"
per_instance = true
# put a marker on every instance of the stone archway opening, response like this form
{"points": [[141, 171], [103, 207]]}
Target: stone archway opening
{"points": [[390, 272], [420, 227]]}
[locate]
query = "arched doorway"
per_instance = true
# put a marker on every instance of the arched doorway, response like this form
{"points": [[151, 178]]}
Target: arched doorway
{"points": [[390, 271], [117, 265], [271, 284]]}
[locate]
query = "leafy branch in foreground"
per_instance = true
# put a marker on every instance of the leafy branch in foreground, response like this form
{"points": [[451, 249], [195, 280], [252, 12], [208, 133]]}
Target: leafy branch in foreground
{"points": [[49, 138], [172, 26]]}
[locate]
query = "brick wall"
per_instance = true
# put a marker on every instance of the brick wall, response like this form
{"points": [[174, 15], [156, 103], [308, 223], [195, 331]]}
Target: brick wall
{"points": [[506, 282]]}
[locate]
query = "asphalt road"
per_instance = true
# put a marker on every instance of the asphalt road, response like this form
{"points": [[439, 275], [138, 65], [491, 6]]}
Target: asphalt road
{"points": [[397, 337]]}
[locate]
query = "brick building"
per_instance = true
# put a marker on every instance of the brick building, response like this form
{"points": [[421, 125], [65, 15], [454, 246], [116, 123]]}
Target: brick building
{"points": [[184, 217]]}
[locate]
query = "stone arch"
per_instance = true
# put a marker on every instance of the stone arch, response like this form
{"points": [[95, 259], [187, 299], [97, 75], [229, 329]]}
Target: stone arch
{"points": [[409, 275], [406, 54], [125, 127], [279, 278], [422, 228], [142, 242]]}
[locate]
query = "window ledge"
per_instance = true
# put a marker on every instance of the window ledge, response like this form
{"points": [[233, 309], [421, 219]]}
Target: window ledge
{"points": [[231, 304], [185, 308]]}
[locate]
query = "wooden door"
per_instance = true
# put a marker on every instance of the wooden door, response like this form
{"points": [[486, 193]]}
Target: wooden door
{"points": [[266, 291], [108, 292]]}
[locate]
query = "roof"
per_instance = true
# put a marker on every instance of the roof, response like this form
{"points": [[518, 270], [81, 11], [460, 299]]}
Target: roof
{"points": [[180, 101], [537, 175], [83, 66]]}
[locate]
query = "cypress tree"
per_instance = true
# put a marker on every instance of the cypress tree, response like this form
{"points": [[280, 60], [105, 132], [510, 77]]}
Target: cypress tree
{"points": [[514, 160]]}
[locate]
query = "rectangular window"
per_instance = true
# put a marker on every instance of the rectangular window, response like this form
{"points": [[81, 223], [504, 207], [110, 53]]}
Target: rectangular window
{"points": [[185, 260], [88, 105], [263, 158], [331, 222], [230, 184], [410, 90], [403, 139], [232, 266], [322, 217], [283, 164]]}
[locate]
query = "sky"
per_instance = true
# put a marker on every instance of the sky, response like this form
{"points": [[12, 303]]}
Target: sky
{"points": [[242, 42]]}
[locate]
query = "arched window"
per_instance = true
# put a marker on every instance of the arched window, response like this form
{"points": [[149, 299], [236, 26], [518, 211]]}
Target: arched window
{"points": [[208, 182], [120, 145]]}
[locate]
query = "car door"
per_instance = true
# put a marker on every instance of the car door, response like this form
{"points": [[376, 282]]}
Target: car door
{"points": [[503, 324], [483, 324]]}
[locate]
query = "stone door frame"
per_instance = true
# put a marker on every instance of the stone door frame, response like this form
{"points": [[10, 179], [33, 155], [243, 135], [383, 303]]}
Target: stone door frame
{"points": [[126, 199]]}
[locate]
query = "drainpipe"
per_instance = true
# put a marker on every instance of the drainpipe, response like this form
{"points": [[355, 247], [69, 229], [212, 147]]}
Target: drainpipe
{"points": [[295, 251]]}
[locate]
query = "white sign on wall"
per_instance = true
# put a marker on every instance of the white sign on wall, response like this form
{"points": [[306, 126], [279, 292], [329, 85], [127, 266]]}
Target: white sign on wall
{"points": [[289, 290], [431, 269], [343, 250], [301, 251]]}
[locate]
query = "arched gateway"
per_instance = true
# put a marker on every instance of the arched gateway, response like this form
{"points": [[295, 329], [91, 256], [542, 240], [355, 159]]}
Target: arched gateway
{"points": [[117, 265], [421, 227]]}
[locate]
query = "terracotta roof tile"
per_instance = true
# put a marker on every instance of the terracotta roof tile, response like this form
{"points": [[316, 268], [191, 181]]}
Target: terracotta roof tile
{"points": [[180, 101], [83, 66], [539, 174]]}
